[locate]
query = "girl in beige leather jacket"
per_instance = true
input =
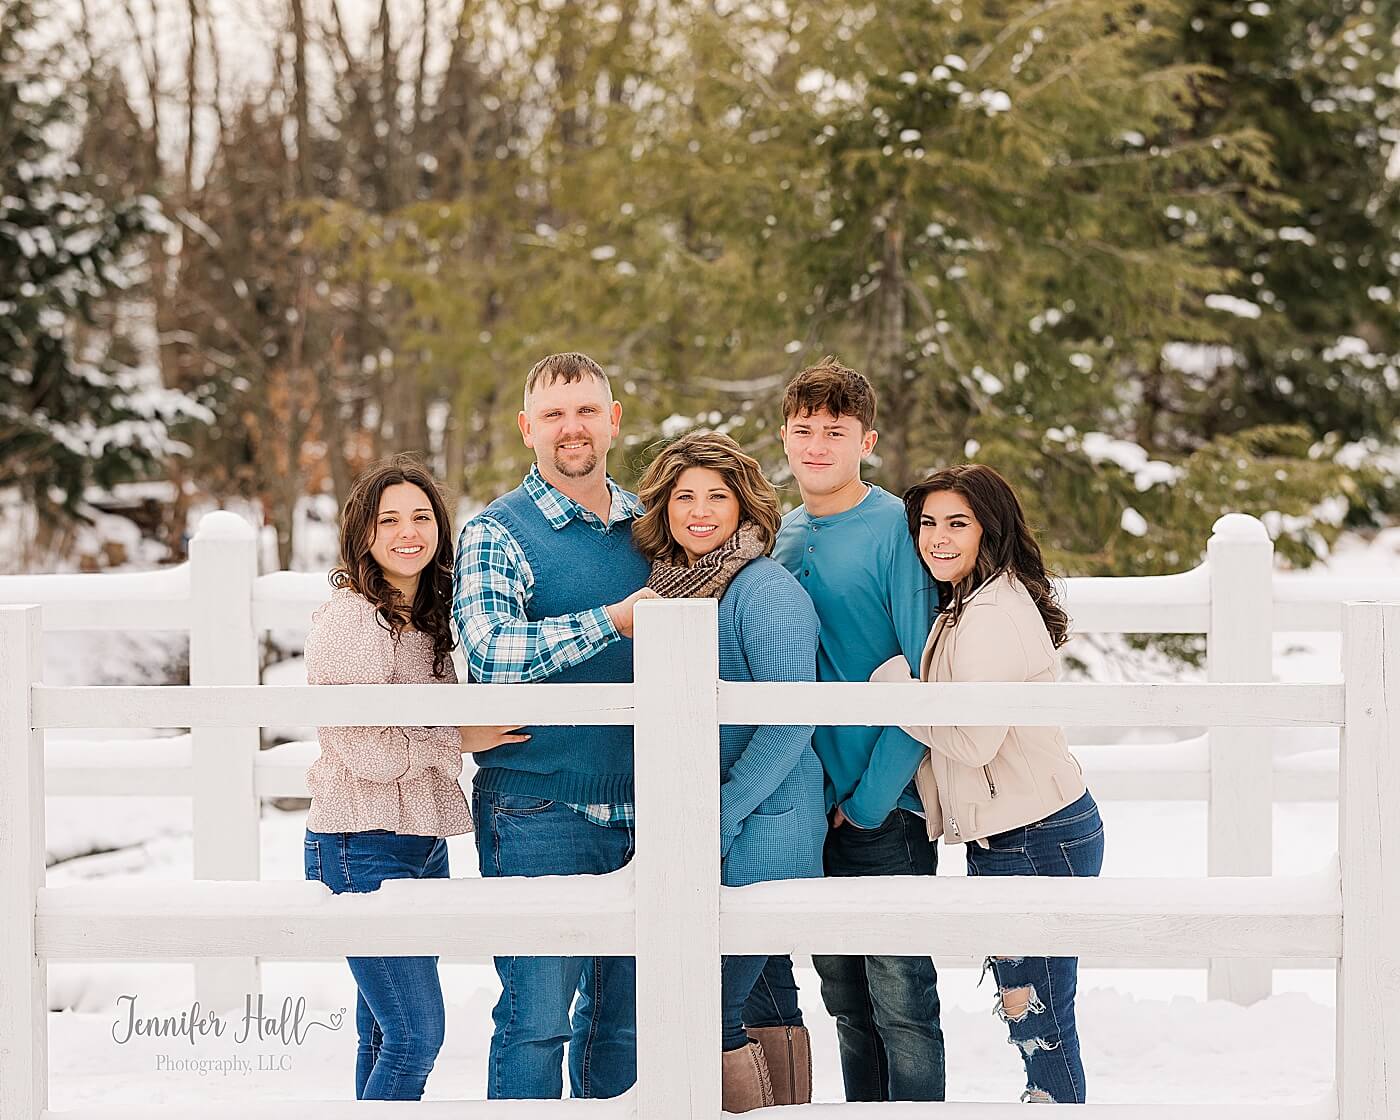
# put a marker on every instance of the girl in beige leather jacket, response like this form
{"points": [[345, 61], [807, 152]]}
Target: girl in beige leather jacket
{"points": [[1014, 795]]}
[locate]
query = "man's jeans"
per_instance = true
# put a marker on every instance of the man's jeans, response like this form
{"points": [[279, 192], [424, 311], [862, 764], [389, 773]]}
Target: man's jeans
{"points": [[1065, 844], [398, 1012], [527, 836], [886, 1008]]}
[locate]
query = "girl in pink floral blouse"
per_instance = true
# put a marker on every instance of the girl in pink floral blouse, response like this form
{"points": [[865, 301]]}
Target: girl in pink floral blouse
{"points": [[384, 798]]}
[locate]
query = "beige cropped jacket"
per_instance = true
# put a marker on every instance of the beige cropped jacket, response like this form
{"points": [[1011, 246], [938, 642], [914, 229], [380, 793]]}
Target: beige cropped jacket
{"points": [[980, 781]]}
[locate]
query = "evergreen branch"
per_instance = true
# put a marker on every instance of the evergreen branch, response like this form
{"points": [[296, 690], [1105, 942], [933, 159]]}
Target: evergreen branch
{"points": [[931, 317], [1123, 159], [1011, 29]]}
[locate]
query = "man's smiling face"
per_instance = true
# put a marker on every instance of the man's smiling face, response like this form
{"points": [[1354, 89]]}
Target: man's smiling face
{"points": [[570, 426]]}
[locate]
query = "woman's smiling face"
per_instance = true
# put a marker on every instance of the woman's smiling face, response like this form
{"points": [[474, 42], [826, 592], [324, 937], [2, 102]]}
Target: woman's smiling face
{"points": [[702, 511], [949, 536], [405, 533]]}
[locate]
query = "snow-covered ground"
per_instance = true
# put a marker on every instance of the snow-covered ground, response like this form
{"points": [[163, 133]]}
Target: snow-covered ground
{"points": [[1149, 1035]]}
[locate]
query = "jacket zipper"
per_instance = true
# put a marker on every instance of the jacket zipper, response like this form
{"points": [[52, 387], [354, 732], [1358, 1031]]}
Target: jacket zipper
{"points": [[991, 785], [952, 820], [940, 629]]}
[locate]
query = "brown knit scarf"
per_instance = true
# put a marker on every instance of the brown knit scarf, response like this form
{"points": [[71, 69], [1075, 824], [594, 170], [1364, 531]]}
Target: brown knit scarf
{"points": [[710, 575]]}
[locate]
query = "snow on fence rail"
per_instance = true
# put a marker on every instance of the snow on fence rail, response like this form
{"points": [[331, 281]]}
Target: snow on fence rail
{"points": [[1234, 598], [668, 909]]}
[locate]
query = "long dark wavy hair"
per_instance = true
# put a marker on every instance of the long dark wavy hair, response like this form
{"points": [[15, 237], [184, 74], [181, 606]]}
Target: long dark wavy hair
{"points": [[431, 609], [1008, 545]]}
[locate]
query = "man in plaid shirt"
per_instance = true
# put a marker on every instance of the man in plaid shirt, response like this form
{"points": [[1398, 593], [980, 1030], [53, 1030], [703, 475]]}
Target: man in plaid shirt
{"points": [[547, 577]]}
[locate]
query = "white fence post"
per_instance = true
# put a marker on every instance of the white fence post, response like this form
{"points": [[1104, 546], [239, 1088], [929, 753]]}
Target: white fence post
{"points": [[1368, 846], [1240, 649], [24, 1003], [224, 650], [676, 670]]}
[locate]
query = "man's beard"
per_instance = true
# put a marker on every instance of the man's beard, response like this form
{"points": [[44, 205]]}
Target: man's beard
{"points": [[587, 467]]}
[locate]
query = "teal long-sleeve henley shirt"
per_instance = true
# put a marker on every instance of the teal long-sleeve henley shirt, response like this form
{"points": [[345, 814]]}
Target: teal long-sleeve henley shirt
{"points": [[874, 600]]}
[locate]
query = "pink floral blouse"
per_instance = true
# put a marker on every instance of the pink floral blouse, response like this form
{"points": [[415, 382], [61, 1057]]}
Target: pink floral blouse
{"points": [[403, 779]]}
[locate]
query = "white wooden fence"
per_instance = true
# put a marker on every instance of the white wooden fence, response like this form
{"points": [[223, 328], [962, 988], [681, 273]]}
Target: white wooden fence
{"points": [[667, 907], [218, 598]]}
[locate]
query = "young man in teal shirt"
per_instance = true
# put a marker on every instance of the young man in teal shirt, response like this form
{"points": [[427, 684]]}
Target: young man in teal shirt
{"points": [[848, 544]]}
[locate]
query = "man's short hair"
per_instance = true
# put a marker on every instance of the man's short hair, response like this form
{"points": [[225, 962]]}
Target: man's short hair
{"points": [[568, 367], [831, 387]]}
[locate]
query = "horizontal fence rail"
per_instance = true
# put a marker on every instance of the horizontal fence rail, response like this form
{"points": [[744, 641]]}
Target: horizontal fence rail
{"points": [[124, 601], [1179, 603], [224, 706], [298, 921], [161, 601], [1140, 918], [826, 705], [1178, 770], [1066, 705]]}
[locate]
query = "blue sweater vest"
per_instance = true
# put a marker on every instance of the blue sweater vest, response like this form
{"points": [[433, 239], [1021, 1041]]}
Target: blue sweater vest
{"points": [[576, 568]]}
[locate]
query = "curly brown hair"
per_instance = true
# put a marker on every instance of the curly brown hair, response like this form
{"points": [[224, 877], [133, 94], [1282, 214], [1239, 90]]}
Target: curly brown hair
{"points": [[758, 501], [431, 609], [1008, 545]]}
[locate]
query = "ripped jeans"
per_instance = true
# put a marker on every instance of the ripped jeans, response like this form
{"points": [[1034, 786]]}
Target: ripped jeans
{"points": [[1035, 995]]}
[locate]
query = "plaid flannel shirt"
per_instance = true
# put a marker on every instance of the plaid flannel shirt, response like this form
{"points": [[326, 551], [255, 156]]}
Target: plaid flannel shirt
{"points": [[492, 588]]}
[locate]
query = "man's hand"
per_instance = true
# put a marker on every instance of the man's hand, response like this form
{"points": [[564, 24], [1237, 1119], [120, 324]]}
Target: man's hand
{"points": [[621, 613], [838, 818]]}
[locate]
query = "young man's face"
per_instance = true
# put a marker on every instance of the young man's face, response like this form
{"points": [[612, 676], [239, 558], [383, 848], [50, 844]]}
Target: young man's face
{"points": [[824, 451], [570, 426]]}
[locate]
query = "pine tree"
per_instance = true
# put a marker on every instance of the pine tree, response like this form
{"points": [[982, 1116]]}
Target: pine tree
{"points": [[1314, 338], [998, 210], [72, 411]]}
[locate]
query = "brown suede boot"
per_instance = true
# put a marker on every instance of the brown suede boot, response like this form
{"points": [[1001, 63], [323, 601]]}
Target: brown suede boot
{"points": [[745, 1084], [788, 1051]]}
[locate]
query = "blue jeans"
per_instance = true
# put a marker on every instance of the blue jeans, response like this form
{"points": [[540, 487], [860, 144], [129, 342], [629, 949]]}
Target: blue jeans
{"points": [[756, 992], [1041, 1021], [886, 1008], [398, 1012], [528, 836]]}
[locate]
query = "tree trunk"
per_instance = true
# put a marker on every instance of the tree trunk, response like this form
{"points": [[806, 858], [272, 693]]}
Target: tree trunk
{"points": [[283, 518], [1153, 400], [301, 110], [192, 97], [454, 452], [332, 429]]}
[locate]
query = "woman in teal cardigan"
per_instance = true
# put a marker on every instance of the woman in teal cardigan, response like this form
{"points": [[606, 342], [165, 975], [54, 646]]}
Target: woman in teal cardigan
{"points": [[710, 522]]}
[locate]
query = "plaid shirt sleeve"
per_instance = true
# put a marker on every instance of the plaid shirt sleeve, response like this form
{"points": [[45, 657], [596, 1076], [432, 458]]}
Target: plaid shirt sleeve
{"points": [[501, 645]]}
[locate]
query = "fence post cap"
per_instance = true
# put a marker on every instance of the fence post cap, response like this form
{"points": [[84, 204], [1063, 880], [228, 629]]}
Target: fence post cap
{"points": [[1239, 527], [221, 525]]}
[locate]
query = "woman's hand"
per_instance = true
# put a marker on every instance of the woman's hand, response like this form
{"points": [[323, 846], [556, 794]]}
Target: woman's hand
{"points": [[893, 671], [475, 739]]}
